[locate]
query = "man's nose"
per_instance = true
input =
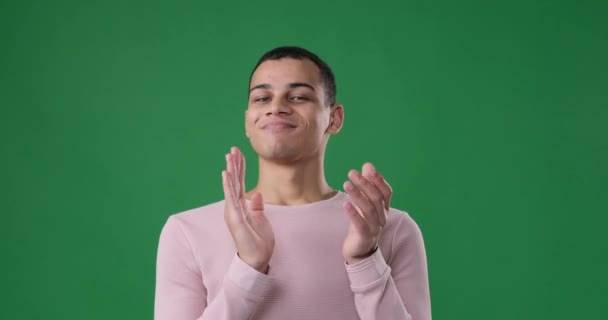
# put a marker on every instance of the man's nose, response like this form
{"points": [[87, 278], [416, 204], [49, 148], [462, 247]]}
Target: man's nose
{"points": [[278, 106]]}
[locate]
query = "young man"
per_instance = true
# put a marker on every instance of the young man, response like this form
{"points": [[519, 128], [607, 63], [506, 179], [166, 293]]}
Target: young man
{"points": [[293, 247]]}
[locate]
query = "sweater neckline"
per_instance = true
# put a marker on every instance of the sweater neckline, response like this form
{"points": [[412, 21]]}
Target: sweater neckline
{"points": [[321, 203]]}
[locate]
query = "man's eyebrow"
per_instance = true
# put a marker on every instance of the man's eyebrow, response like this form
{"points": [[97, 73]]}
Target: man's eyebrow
{"points": [[301, 84], [260, 86], [291, 86]]}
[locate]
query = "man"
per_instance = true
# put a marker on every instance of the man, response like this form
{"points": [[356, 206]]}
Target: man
{"points": [[293, 247]]}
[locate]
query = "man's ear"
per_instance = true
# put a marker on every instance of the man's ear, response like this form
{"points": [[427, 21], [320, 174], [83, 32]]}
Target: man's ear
{"points": [[336, 119]]}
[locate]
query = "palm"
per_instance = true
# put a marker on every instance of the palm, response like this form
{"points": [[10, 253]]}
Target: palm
{"points": [[368, 210], [251, 231], [357, 242], [252, 235]]}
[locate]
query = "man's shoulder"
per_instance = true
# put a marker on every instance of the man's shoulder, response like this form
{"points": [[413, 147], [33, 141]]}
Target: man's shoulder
{"points": [[208, 214], [401, 221], [197, 228], [395, 216]]}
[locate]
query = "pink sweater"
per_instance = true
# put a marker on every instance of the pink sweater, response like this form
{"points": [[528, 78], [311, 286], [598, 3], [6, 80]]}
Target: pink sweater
{"points": [[199, 275]]}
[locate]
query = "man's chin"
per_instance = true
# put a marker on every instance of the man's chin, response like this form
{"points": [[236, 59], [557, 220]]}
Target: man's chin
{"points": [[280, 153]]}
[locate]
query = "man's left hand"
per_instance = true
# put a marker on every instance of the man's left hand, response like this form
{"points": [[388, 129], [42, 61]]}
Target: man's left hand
{"points": [[370, 195]]}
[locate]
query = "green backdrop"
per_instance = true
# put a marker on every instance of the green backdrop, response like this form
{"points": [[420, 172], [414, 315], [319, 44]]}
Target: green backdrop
{"points": [[488, 118]]}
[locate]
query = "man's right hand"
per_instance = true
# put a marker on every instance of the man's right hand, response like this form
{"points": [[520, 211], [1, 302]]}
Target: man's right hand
{"points": [[250, 229]]}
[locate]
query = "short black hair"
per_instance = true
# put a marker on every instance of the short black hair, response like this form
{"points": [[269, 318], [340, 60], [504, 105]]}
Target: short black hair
{"points": [[329, 81]]}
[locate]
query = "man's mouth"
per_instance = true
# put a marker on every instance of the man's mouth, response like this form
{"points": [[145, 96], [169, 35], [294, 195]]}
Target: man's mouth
{"points": [[278, 126]]}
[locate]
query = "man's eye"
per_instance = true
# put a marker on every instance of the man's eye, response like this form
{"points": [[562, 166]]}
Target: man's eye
{"points": [[262, 99], [299, 98]]}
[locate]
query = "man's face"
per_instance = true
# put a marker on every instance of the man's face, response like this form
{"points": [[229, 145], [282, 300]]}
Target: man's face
{"points": [[287, 118]]}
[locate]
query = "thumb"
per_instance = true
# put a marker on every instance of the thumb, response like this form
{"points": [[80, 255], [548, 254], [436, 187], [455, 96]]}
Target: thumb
{"points": [[256, 207]]}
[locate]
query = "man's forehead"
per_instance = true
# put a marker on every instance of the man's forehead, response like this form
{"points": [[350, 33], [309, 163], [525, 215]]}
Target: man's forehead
{"points": [[284, 71], [290, 85]]}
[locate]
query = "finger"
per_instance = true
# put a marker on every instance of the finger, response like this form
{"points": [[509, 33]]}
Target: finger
{"points": [[356, 219], [237, 214], [368, 171], [378, 198], [235, 159], [360, 200], [239, 163], [380, 183], [240, 175], [241, 179], [230, 174], [235, 173], [385, 188], [372, 193], [227, 192], [229, 197], [230, 163]]}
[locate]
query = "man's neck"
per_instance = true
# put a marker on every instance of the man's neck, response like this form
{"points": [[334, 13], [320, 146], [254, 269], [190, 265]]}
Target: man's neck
{"points": [[297, 183]]}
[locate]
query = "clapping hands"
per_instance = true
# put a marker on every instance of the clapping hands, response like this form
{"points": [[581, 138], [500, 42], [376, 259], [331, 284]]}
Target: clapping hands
{"points": [[370, 195]]}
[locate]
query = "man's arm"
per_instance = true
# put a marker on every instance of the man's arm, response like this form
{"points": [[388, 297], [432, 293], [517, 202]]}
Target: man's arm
{"points": [[399, 291], [180, 293]]}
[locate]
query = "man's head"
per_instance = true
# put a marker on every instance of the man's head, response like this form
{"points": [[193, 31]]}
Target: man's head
{"points": [[291, 110], [297, 53]]}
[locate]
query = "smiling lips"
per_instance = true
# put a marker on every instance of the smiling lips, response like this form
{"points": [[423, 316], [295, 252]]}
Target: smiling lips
{"points": [[277, 126]]}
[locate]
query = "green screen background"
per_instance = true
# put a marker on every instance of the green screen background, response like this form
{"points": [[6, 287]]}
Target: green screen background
{"points": [[488, 119]]}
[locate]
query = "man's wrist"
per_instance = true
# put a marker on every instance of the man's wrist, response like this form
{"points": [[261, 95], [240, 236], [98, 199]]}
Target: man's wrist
{"points": [[353, 260], [260, 267]]}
